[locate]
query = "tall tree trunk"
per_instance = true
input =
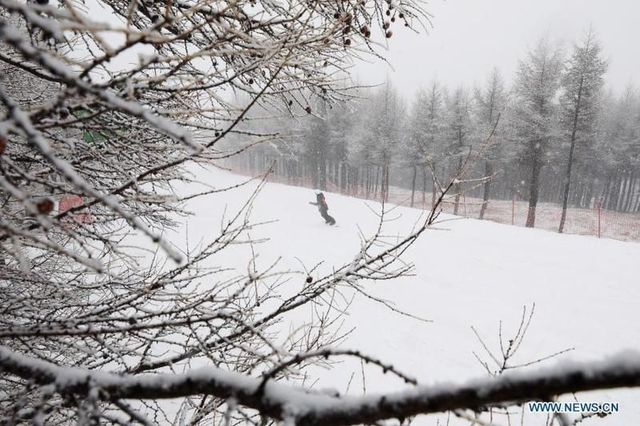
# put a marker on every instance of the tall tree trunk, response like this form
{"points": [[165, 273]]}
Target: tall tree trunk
{"points": [[457, 188], [606, 193], [368, 183], [625, 192], [343, 177], [387, 181], [632, 190], [352, 180], [424, 186], [434, 186], [413, 184], [534, 191], [631, 187], [383, 177], [314, 168], [322, 172], [621, 190], [615, 192], [634, 196], [567, 184], [578, 197], [589, 193], [567, 177], [488, 174]]}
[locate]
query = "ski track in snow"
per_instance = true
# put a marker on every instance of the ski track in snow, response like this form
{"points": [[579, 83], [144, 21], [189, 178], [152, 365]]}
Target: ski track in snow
{"points": [[468, 273]]}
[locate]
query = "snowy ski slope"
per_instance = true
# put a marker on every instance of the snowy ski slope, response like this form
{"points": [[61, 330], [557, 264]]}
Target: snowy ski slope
{"points": [[467, 273]]}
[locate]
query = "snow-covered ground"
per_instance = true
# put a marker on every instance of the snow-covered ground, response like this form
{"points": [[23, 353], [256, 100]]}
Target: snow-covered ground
{"points": [[581, 221], [467, 273]]}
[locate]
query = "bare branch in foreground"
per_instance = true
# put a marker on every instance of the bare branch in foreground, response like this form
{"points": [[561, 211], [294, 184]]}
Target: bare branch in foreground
{"points": [[282, 401]]}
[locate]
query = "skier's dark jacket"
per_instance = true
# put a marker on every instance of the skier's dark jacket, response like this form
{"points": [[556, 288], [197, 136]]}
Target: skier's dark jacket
{"points": [[321, 203], [323, 208]]}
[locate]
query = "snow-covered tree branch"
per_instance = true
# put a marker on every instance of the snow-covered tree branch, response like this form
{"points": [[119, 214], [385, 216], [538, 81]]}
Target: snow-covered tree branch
{"points": [[303, 407]]}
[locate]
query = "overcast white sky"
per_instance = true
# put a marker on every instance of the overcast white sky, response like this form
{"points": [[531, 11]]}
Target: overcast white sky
{"points": [[469, 37]]}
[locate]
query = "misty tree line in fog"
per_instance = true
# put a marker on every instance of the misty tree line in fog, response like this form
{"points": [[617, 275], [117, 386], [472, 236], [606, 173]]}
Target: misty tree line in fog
{"points": [[557, 136]]}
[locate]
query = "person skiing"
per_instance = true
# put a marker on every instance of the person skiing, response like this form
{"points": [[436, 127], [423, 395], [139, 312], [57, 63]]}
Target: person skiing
{"points": [[323, 208]]}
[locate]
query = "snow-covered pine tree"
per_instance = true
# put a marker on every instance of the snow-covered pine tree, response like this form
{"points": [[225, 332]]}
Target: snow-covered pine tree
{"points": [[389, 128], [341, 118], [378, 135], [536, 88], [489, 103], [618, 148], [317, 148], [582, 83], [423, 142], [414, 143], [459, 127]]}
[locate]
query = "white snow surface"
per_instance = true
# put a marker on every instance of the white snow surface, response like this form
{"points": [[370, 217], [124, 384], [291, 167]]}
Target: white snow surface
{"points": [[467, 273]]}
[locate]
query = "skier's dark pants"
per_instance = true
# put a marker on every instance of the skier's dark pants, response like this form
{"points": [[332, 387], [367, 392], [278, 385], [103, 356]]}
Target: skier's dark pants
{"points": [[327, 218]]}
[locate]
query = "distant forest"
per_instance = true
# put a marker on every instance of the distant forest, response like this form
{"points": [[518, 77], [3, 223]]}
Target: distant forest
{"points": [[557, 135]]}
